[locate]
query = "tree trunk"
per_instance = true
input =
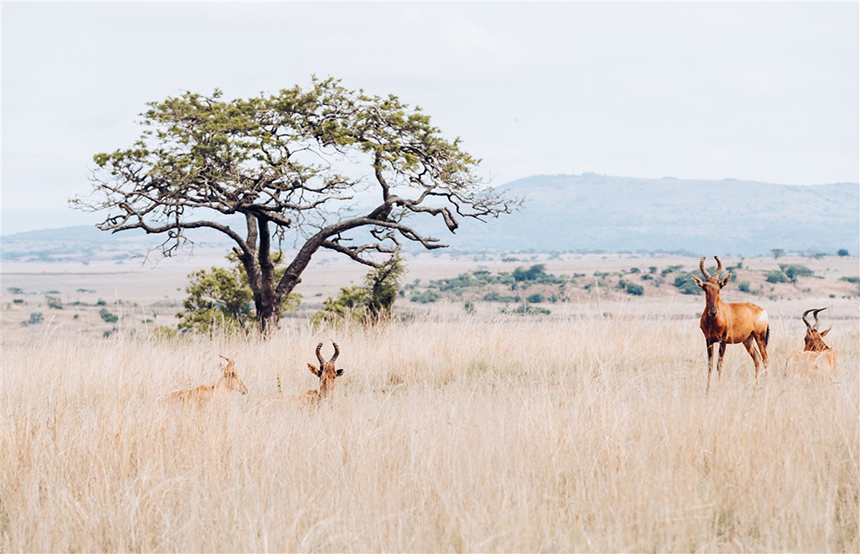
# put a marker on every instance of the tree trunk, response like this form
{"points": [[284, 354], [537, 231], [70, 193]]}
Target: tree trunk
{"points": [[268, 319]]}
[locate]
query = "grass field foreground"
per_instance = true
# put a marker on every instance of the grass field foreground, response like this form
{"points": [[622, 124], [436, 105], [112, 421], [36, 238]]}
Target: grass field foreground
{"points": [[469, 434]]}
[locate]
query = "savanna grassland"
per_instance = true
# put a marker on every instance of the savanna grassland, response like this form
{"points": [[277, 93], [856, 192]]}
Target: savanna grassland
{"points": [[585, 430]]}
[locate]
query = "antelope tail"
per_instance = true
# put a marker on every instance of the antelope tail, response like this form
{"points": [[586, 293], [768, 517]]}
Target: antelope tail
{"points": [[766, 335]]}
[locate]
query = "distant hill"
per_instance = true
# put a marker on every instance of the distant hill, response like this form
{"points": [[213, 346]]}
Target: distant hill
{"points": [[598, 212], [582, 213]]}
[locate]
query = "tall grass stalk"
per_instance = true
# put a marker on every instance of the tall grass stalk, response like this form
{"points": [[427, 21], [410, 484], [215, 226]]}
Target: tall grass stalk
{"points": [[467, 434]]}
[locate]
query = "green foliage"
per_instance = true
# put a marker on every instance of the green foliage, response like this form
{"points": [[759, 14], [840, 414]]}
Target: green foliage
{"points": [[425, 297], [496, 297], [535, 274], [15, 290], [842, 252], [775, 276], [35, 318], [634, 289], [348, 306], [793, 271], [165, 333], [107, 316], [744, 286], [382, 284], [526, 309], [368, 304], [670, 269], [221, 297], [852, 279], [536, 298], [54, 302], [685, 284]]}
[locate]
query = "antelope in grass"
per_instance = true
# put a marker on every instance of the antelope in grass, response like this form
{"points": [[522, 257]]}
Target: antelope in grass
{"points": [[326, 373], [817, 359], [229, 381], [730, 323]]}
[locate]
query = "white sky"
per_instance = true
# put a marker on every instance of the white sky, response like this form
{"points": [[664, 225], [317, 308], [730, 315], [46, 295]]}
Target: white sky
{"points": [[767, 92]]}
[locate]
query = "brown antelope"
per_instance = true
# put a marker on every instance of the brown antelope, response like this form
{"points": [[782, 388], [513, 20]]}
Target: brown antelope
{"points": [[730, 323], [817, 359], [229, 381], [326, 373]]}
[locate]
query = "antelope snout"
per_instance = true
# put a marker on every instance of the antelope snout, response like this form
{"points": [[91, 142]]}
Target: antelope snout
{"points": [[712, 312]]}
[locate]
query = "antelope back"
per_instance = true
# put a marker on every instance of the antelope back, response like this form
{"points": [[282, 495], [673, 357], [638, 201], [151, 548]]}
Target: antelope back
{"points": [[814, 365]]}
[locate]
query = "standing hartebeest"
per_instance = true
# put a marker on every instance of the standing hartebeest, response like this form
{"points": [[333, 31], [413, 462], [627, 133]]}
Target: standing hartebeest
{"points": [[326, 373], [730, 323], [817, 359], [229, 381]]}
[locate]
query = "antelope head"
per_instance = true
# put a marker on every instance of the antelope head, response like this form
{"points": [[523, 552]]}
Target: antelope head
{"points": [[326, 370], [712, 285], [813, 342], [230, 379]]}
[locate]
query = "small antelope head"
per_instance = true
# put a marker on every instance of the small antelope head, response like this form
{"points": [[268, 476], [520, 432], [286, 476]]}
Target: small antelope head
{"points": [[712, 285], [326, 370], [813, 342], [230, 380]]}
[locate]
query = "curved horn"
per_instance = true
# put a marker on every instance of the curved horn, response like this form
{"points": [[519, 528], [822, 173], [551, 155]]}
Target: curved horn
{"points": [[702, 268], [719, 266], [336, 352], [815, 315], [808, 326], [319, 356]]}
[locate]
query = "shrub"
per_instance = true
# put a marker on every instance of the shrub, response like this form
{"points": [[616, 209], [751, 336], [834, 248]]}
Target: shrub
{"points": [[793, 271], [536, 298], [775, 276], [107, 316], [425, 297], [525, 309], [842, 252], [35, 318], [744, 286], [634, 289], [685, 284], [854, 280], [54, 302], [496, 297]]}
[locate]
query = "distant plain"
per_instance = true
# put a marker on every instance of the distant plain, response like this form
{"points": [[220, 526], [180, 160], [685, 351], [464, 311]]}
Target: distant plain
{"points": [[587, 428]]}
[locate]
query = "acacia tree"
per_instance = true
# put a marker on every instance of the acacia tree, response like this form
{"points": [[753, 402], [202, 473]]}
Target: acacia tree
{"points": [[291, 164]]}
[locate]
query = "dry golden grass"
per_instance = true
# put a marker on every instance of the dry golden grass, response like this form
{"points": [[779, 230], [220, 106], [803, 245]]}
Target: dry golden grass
{"points": [[590, 434]]}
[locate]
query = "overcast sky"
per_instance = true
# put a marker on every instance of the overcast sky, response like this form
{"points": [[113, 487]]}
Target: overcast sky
{"points": [[765, 92]]}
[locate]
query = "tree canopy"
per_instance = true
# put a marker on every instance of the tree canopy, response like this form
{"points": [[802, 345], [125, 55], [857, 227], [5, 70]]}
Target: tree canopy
{"points": [[290, 166]]}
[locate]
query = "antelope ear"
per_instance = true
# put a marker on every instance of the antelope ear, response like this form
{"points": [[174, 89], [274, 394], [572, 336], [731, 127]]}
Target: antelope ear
{"points": [[826, 331], [313, 369], [340, 371], [725, 280], [698, 282]]}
